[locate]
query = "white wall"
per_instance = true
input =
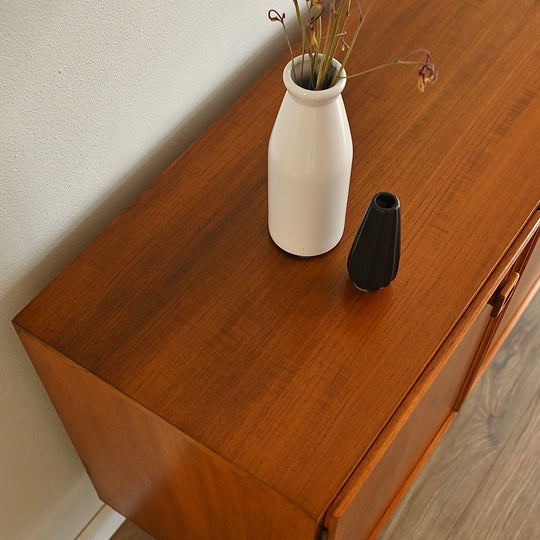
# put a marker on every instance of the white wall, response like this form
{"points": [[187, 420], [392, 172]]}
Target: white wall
{"points": [[96, 98]]}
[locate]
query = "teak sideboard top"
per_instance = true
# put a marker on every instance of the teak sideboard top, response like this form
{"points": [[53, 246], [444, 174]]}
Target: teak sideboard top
{"points": [[277, 364]]}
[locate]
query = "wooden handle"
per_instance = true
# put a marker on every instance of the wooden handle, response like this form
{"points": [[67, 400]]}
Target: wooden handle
{"points": [[504, 295], [499, 301]]}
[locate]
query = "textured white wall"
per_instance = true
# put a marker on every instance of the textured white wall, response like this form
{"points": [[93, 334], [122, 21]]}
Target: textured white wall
{"points": [[96, 98]]}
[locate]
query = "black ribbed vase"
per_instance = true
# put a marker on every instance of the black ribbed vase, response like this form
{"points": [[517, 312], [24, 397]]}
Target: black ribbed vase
{"points": [[374, 257]]}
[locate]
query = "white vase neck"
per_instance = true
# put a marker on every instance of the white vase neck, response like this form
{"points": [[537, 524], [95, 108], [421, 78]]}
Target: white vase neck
{"points": [[313, 97]]}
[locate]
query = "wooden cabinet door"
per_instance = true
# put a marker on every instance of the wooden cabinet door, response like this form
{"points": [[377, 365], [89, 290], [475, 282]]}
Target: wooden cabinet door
{"points": [[397, 455]]}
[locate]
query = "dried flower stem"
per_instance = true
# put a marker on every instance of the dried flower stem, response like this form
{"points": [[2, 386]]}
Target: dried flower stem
{"points": [[274, 15], [426, 73], [323, 74], [363, 17], [332, 43]]}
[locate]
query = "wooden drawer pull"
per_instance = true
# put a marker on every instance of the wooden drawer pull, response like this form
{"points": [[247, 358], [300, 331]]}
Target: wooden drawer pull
{"points": [[501, 299]]}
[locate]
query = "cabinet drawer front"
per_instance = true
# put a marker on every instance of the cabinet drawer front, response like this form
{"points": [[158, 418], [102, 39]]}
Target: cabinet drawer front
{"points": [[508, 301], [385, 470], [527, 285]]}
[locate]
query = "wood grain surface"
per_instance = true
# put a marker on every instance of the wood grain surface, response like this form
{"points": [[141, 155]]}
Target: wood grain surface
{"points": [[148, 470], [278, 365], [482, 480]]}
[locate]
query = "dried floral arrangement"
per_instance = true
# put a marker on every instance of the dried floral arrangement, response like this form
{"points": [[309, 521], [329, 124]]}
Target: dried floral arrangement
{"points": [[324, 34]]}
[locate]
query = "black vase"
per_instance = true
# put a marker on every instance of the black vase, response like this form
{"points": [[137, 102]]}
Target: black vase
{"points": [[374, 257]]}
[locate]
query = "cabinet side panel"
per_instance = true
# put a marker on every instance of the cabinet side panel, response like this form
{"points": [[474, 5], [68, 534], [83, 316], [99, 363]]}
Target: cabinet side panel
{"points": [[388, 466], [154, 474]]}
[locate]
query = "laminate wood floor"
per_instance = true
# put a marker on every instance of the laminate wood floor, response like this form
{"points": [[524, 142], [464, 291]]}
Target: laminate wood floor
{"points": [[130, 531], [482, 482]]}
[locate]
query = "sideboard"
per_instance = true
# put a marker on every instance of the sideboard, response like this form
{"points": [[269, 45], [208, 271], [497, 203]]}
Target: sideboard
{"points": [[215, 387]]}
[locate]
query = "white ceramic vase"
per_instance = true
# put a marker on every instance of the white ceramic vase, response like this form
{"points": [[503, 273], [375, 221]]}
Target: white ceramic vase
{"points": [[309, 167]]}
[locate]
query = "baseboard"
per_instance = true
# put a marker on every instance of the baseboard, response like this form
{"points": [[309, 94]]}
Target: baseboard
{"points": [[103, 525]]}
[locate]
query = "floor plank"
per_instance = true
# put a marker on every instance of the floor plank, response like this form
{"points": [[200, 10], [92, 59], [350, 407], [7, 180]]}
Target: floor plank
{"points": [[481, 482], [130, 531]]}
